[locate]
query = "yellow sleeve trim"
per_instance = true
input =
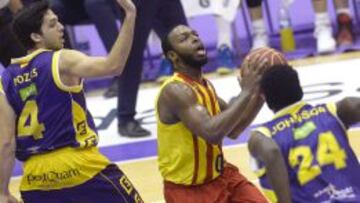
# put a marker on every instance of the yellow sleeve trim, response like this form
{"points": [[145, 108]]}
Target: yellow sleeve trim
{"points": [[332, 108], [56, 76], [1, 87], [270, 194], [24, 61], [263, 130], [259, 173]]}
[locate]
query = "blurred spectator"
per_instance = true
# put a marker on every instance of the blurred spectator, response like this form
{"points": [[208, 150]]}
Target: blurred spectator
{"points": [[102, 13], [162, 15], [9, 46], [225, 51], [323, 30]]}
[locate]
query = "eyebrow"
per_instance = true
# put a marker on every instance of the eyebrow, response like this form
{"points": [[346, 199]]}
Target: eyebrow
{"points": [[188, 32], [53, 19], [182, 35]]}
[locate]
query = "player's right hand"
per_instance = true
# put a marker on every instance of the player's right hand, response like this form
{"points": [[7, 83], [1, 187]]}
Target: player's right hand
{"points": [[256, 68], [127, 5], [8, 198]]}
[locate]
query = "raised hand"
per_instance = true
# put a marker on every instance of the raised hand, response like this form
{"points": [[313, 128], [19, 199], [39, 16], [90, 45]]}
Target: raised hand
{"points": [[255, 68], [127, 5]]}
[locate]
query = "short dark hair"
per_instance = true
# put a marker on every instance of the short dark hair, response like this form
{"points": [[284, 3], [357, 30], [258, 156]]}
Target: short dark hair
{"points": [[281, 86], [166, 44], [29, 20]]}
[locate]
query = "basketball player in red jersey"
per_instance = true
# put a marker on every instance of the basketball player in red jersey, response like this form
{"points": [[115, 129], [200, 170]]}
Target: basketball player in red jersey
{"points": [[192, 123]]}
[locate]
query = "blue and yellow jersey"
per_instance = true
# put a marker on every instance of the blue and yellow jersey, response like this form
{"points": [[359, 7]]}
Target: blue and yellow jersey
{"points": [[321, 165], [53, 123], [186, 158]]}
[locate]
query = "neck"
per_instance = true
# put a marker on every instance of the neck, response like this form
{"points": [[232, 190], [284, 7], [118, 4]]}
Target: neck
{"points": [[276, 110], [194, 73], [35, 48], [31, 50]]}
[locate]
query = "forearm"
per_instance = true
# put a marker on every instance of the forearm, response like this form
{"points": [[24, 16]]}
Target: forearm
{"points": [[224, 123], [247, 117], [278, 176], [119, 53], [7, 160]]}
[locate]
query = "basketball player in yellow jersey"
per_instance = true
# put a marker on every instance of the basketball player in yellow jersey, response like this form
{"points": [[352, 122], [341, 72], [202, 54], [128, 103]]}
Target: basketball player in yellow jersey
{"points": [[44, 121], [192, 122]]}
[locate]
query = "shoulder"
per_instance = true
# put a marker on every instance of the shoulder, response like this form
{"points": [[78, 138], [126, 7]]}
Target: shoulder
{"points": [[348, 110], [256, 139], [177, 91], [68, 57], [174, 97], [263, 130], [211, 85]]}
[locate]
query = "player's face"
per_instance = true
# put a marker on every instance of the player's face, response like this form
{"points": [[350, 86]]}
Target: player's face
{"points": [[188, 46], [52, 32]]}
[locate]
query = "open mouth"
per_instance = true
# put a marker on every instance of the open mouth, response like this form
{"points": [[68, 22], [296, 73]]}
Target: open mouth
{"points": [[62, 39], [201, 50]]}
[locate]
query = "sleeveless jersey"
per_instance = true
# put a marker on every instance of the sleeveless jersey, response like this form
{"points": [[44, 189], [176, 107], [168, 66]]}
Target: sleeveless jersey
{"points": [[49, 114], [186, 158], [321, 165]]}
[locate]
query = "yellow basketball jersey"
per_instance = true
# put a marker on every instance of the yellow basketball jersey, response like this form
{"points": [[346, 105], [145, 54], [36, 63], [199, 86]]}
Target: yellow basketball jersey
{"points": [[186, 158]]}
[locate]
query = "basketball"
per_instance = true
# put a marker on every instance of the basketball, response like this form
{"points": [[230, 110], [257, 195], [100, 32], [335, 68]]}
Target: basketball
{"points": [[273, 57]]}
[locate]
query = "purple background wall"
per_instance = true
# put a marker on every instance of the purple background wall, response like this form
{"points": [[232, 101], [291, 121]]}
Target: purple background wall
{"points": [[302, 17], [301, 14]]}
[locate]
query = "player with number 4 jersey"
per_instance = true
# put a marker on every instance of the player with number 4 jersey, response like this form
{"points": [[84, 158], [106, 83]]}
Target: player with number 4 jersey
{"points": [[44, 119], [303, 154]]}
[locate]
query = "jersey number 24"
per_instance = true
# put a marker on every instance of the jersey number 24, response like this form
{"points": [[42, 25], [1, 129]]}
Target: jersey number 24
{"points": [[328, 152]]}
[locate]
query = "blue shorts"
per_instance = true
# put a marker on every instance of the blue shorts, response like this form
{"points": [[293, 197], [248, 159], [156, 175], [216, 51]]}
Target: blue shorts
{"points": [[108, 186]]}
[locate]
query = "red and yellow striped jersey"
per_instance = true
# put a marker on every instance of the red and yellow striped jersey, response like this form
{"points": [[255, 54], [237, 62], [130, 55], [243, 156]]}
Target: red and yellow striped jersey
{"points": [[186, 158]]}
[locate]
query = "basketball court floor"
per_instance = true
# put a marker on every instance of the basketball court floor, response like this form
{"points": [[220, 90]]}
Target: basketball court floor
{"points": [[324, 79]]}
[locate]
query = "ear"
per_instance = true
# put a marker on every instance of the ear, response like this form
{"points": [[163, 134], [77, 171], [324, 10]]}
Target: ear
{"points": [[36, 37], [172, 56]]}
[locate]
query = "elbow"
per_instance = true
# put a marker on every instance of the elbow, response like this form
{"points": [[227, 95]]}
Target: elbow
{"points": [[238, 131], [116, 70], [119, 70], [112, 69], [214, 136], [234, 135]]}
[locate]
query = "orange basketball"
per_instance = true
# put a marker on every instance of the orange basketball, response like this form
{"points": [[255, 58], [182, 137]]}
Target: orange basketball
{"points": [[273, 57]]}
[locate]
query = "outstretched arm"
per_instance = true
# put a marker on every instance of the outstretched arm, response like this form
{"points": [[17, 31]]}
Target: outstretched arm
{"points": [[348, 110], [73, 63], [266, 150]]}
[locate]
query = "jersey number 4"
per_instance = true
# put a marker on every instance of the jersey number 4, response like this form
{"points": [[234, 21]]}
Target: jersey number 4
{"points": [[28, 124], [328, 152]]}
